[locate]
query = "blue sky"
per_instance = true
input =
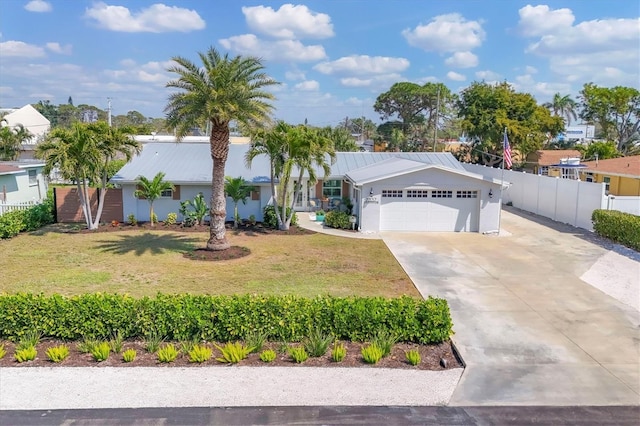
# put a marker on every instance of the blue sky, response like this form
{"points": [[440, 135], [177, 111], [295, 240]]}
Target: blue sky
{"points": [[333, 57]]}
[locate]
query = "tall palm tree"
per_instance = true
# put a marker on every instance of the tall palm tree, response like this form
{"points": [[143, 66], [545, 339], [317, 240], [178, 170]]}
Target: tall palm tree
{"points": [[238, 190], [151, 190], [222, 90], [11, 139], [563, 106]]}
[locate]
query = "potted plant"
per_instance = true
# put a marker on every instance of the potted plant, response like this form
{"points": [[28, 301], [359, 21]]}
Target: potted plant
{"points": [[319, 215]]}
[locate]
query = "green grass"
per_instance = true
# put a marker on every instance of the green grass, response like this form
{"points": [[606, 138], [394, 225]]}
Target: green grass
{"points": [[143, 263]]}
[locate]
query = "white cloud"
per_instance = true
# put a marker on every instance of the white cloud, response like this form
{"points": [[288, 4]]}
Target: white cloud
{"points": [[20, 49], [57, 48], [462, 60], [157, 18], [294, 74], [307, 86], [151, 72], [363, 65], [38, 6], [540, 20], [530, 70], [488, 75], [280, 50], [446, 33], [289, 22], [455, 76]]}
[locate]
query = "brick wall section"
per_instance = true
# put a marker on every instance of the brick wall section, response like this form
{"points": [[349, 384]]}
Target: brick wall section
{"points": [[69, 210]]}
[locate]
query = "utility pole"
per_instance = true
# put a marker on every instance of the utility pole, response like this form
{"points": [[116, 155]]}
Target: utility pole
{"points": [[109, 111], [435, 122]]}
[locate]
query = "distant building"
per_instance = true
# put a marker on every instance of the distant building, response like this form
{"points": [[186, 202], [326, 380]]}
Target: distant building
{"points": [[578, 133], [36, 123]]}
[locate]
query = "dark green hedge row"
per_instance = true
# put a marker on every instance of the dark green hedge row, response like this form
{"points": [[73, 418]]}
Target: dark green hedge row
{"points": [[337, 219], [623, 228], [223, 318], [35, 217]]}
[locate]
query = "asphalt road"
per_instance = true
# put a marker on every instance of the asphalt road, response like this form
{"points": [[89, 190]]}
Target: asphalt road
{"points": [[606, 415]]}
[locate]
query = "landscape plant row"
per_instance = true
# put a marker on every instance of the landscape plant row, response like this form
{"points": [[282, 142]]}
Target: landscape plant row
{"points": [[224, 318], [30, 219], [623, 228]]}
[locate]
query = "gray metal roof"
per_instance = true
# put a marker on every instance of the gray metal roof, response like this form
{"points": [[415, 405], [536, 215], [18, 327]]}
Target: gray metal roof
{"points": [[186, 162]]}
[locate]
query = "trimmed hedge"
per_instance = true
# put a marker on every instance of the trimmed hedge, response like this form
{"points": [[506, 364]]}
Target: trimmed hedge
{"points": [[337, 219], [35, 217], [223, 318], [623, 228]]}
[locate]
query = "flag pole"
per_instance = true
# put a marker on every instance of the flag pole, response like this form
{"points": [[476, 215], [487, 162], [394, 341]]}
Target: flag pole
{"points": [[502, 182]]}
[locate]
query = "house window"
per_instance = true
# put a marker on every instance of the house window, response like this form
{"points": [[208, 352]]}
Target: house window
{"points": [[167, 193], [392, 193], [607, 183], [332, 188], [441, 194], [33, 177], [544, 171], [466, 194], [417, 193], [589, 177]]}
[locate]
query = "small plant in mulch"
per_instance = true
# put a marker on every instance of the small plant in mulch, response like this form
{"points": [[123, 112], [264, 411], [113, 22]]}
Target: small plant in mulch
{"points": [[86, 345], [256, 340], [3, 351], [298, 354], [317, 343], [200, 354], [58, 353], [338, 352], [187, 346], [29, 340], [129, 355], [116, 342], [372, 353], [233, 353], [413, 357], [101, 351], [152, 342], [267, 355], [167, 353], [385, 341], [25, 354]]}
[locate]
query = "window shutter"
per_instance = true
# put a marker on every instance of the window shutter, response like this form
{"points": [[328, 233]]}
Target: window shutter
{"points": [[176, 192], [255, 194]]}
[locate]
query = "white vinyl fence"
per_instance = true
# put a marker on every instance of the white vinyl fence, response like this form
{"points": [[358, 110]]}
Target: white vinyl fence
{"points": [[8, 207], [563, 200], [624, 204]]}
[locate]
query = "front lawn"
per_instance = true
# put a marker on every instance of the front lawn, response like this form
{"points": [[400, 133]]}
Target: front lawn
{"points": [[143, 263]]}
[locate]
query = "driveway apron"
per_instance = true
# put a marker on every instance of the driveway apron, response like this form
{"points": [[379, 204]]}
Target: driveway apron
{"points": [[530, 331]]}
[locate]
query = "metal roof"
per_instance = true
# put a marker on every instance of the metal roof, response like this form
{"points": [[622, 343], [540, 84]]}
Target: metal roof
{"points": [[187, 162]]}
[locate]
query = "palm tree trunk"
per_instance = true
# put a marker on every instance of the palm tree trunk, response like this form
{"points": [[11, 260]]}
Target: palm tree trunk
{"points": [[219, 142]]}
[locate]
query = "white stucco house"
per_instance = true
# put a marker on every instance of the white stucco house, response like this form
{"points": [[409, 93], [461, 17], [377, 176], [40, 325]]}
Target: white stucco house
{"points": [[37, 124], [389, 191], [21, 182]]}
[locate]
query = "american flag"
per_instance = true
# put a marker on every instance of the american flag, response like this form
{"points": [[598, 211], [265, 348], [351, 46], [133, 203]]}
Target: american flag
{"points": [[507, 151]]}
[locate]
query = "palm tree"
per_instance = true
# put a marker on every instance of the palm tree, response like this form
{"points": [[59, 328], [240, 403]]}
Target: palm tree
{"points": [[152, 189], [238, 190], [11, 139], [222, 90], [563, 106]]}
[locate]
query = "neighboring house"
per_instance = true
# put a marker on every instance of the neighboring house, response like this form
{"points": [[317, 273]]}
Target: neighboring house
{"points": [[36, 123], [620, 175], [538, 162], [21, 182], [389, 191]]}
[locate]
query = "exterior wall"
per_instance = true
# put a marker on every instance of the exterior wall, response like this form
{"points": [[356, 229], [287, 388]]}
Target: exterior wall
{"points": [[563, 200], [618, 185], [18, 188], [163, 206], [624, 204], [68, 206], [369, 205]]}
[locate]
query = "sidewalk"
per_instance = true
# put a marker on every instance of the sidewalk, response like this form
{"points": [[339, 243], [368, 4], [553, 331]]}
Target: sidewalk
{"points": [[307, 221]]}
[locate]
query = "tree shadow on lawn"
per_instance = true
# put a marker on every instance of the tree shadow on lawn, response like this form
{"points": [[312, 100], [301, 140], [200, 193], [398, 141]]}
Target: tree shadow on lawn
{"points": [[148, 242]]}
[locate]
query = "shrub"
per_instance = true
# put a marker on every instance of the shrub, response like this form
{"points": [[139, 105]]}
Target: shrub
{"points": [[339, 352], [187, 346], [58, 353], [337, 219], [252, 219], [255, 340], [172, 218], [26, 354], [29, 339], [371, 354], [131, 219], [30, 219], [223, 318], [87, 344], [271, 221], [152, 342], [200, 354], [317, 342], [168, 353], [623, 228], [116, 342], [298, 354], [3, 351], [385, 341], [233, 353], [129, 355], [194, 211], [413, 357], [267, 355], [11, 224], [101, 351]]}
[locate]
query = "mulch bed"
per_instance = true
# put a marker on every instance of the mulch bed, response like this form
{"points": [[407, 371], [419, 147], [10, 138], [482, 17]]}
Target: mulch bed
{"points": [[431, 356]]}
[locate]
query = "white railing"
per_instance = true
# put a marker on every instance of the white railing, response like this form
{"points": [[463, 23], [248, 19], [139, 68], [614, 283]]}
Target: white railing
{"points": [[9, 207]]}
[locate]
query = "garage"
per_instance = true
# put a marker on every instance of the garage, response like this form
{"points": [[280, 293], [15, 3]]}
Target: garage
{"points": [[429, 210], [402, 194]]}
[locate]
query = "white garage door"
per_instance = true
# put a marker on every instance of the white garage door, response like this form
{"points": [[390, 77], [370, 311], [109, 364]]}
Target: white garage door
{"points": [[429, 210]]}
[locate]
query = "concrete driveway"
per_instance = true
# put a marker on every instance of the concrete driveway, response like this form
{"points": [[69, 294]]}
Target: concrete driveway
{"points": [[530, 330]]}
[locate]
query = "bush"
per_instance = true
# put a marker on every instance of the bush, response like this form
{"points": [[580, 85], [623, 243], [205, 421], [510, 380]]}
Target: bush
{"points": [[267, 355], [101, 351], [168, 353], [11, 224], [271, 221], [223, 318], [200, 354], [172, 218], [371, 354], [298, 354], [35, 217], [129, 355], [337, 219], [131, 219], [623, 228], [233, 353], [26, 354], [317, 342], [58, 353]]}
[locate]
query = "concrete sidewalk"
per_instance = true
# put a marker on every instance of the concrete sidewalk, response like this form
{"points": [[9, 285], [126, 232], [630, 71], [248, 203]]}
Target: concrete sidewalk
{"points": [[529, 329]]}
